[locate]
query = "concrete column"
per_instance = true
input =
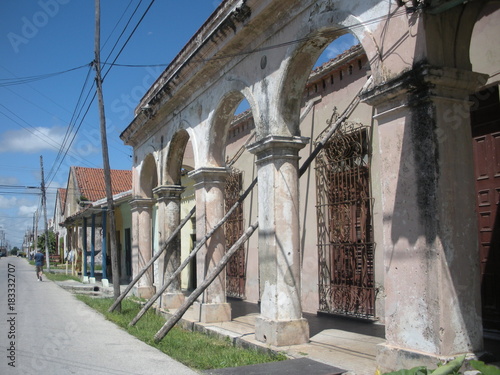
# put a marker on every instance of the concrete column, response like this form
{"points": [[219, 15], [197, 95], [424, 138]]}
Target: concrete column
{"points": [[105, 281], [92, 251], [85, 276], [142, 245], [76, 249], [210, 184], [430, 242], [169, 208], [280, 321]]}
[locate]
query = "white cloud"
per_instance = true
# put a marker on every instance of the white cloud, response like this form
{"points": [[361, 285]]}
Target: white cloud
{"points": [[32, 140], [27, 210], [6, 203]]}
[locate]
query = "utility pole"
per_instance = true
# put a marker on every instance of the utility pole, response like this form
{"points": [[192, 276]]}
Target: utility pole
{"points": [[44, 206], [105, 157]]}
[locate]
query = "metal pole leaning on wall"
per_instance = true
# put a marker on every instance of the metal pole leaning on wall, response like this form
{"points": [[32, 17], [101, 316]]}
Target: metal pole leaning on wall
{"points": [[225, 259], [152, 260], [192, 254], [206, 282]]}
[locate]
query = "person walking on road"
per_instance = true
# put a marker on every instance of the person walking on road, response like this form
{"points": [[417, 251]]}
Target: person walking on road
{"points": [[39, 258]]}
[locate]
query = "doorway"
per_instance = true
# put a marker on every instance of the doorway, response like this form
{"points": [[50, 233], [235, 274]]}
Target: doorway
{"points": [[485, 122]]}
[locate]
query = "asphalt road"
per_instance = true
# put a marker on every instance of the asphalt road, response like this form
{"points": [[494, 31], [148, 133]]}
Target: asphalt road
{"points": [[44, 329]]}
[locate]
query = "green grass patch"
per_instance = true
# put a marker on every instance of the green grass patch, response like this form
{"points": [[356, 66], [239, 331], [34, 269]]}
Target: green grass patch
{"points": [[194, 349], [61, 277], [52, 265]]}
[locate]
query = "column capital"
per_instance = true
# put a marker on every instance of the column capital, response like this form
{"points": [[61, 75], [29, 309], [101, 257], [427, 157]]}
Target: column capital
{"points": [[422, 83], [277, 147], [166, 192], [209, 174], [140, 204]]}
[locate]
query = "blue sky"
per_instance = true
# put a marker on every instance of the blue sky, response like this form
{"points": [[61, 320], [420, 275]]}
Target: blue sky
{"points": [[40, 37]]}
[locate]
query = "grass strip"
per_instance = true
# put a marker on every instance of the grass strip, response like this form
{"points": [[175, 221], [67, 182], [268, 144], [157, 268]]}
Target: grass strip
{"points": [[194, 349], [61, 277]]}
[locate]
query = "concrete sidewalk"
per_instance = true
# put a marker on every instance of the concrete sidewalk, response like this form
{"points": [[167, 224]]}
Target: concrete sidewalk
{"points": [[346, 345], [337, 345], [352, 352], [330, 344], [55, 333]]}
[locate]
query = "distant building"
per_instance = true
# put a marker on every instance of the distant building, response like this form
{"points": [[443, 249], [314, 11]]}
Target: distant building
{"points": [[82, 213]]}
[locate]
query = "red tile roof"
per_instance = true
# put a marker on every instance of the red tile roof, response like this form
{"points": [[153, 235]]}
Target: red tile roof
{"points": [[92, 186], [62, 197]]}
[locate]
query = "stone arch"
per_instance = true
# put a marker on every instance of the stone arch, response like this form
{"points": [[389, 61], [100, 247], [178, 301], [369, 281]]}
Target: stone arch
{"points": [[303, 57], [175, 156], [148, 179], [222, 118], [486, 59], [449, 32]]}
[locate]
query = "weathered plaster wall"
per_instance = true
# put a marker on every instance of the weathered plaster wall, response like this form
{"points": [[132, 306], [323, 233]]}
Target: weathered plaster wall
{"points": [[344, 91], [286, 37], [485, 56], [187, 203]]}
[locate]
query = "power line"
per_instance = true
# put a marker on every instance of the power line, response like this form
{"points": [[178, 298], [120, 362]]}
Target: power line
{"points": [[94, 94], [123, 31], [35, 131], [77, 112], [2, 186], [24, 80], [38, 134], [53, 170], [16, 217], [129, 37], [79, 108], [21, 193], [117, 23], [267, 48]]}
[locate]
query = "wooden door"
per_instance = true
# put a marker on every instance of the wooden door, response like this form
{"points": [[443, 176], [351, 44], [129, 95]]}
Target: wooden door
{"points": [[485, 120]]}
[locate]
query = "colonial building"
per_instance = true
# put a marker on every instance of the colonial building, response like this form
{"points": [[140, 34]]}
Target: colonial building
{"points": [[58, 228], [84, 219], [388, 221]]}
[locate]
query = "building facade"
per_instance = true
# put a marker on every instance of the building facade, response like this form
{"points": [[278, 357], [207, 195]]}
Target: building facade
{"points": [[386, 224], [84, 219]]}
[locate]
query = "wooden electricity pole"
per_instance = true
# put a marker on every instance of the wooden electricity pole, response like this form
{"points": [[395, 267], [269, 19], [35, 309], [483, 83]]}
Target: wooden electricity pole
{"points": [[44, 206], [105, 157]]}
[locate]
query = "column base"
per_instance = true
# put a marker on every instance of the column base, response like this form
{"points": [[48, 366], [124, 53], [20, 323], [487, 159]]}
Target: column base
{"points": [[85, 279], [392, 358], [105, 283], [172, 300], [92, 280], [146, 292], [212, 312], [282, 333]]}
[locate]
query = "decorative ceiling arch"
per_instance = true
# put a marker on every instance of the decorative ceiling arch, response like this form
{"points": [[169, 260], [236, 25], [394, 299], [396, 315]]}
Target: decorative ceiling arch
{"points": [[304, 55], [222, 118], [175, 156], [148, 178]]}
